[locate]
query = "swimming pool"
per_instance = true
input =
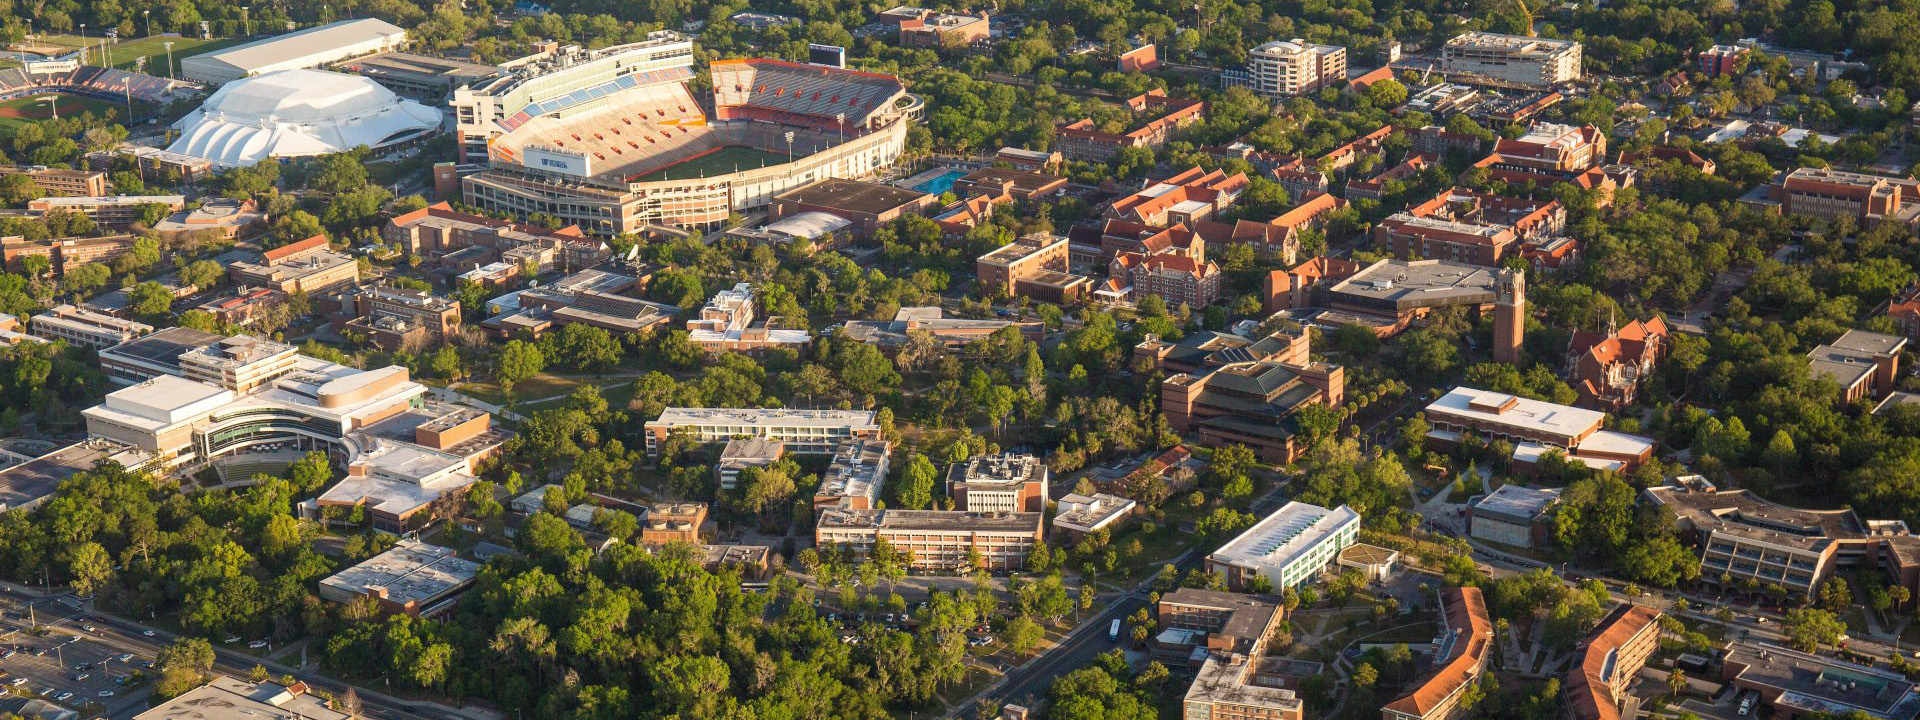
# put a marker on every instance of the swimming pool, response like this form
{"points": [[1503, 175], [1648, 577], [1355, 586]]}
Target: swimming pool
{"points": [[940, 183]]}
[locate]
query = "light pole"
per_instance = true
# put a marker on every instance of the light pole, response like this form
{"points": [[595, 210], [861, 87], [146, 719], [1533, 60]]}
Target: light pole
{"points": [[83, 43], [148, 14], [169, 45], [246, 20]]}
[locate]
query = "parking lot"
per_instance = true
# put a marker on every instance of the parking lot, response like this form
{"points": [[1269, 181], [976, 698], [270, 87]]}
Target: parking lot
{"points": [[64, 666]]}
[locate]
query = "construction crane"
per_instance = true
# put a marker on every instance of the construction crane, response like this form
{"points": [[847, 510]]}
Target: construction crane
{"points": [[1526, 13]]}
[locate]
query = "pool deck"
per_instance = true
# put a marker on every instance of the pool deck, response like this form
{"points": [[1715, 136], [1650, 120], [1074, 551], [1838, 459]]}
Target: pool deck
{"points": [[936, 181]]}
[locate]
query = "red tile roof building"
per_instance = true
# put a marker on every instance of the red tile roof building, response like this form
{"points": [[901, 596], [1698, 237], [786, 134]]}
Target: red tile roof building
{"points": [[1609, 660], [1608, 368], [1081, 141], [1293, 288], [1548, 153], [1179, 279], [1460, 657], [1465, 225], [1376, 187], [1195, 194]]}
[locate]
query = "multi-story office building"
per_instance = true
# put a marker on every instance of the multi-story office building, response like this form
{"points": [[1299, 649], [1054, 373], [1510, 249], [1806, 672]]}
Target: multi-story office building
{"points": [[1285, 68], [854, 478], [1459, 657], [239, 363], [944, 540], [1226, 634], [1250, 403], [65, 254], [399, 317], [153, 355], [1743, 537], [742, 453], [1534, 427], [729, 324], [1831, 194], [999, 483], [308, 266], [1288, 547], [1036, 266], [60, 181], [1511, 60], [1513, 515], [1207, 349], [85, 327], [117, 211], [802, 432], [1609, 660], [1795, 684], [1864, 364]]}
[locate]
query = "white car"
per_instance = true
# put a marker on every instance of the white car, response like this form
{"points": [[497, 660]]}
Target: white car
{"points": [[148, 633], [17, 682], [63, 697], [231, 639], [124, 657], [105, 693], [257, 644]]}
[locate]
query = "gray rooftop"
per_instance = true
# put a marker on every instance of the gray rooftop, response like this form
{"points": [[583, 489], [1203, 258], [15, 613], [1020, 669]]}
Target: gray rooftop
{"points": [[410, 572], [1407, 284], [1517, 501], [313, 40]]}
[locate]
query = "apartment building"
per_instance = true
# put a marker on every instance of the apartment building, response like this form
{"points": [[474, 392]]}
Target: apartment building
{"points": [[802, 432], [85, 328], [1190, 196], [1459, 658], [939, 540], [308, 266], [1036, 266], [116, 211], [63, 255], [1743, 537], [1289, 547], [728, 323], [1081, 140], [1609, 660], [1284, 68], [1250, 403], [439, 229], [1832, 194], [1535, 427], [854, 479], [1485, 58], [60, 181], [999, 483], [920, 27]]}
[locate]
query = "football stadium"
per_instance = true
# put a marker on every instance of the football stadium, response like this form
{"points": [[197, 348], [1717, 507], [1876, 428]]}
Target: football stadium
{"points": [[616, 140]]}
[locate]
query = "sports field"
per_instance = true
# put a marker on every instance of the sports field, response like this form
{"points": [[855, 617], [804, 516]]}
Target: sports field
{"points": [[154, 49], [20, 110], [731, 158]]}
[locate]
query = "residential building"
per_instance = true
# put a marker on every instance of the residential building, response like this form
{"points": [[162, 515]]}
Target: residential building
{"points": [[1485, 58], [114, 211], [1080, 140], [1078, 515], [1795, 684], [1036, 266], [1287, 68], [1289, 547], [1469, 226], [60, 181], [225, 698], [308, 266], [1831, 194], [867, 205], [1250, 403], [920, 27], [663, 523], [854, 478], [952, 332], [1194, 195], [1864, 364], [728, 324], [1145, 58], [85, 328], [1743, 537], [802, 432], [1608, 368], [1609, 660], [1205, 349], [1005, 483], [1549, 153], [743, 453], [1514, 515], [1535, 428], [395, 318], [1029, 160], [1459, 657], [1178, 279], [1720, 59], [65, 254], [938, 540], [1376, 187], [412, 578]]}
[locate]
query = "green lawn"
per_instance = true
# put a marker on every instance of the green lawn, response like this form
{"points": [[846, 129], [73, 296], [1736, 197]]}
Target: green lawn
{"points": [[719, 162], [22, 110], [154, 49]]}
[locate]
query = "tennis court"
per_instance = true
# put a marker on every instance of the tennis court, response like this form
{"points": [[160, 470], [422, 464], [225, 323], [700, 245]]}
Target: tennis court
{"points": [[732, 158]]}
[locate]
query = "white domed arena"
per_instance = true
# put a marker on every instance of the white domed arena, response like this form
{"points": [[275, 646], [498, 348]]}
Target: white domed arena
{"points": [[298, 113]]}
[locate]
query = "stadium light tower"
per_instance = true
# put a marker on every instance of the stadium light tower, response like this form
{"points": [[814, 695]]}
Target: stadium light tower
{"points": [[840, 124], [83, 43], [789, 146], [148, 14]]}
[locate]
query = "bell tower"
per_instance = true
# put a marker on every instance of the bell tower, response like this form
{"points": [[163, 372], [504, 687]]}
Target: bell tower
{"points": [[1509, 316]]}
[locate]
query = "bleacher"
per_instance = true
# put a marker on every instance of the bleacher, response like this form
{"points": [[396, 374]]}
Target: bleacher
{"points": [[89, 80], [657, 125], [797, 94], [674, 76]]}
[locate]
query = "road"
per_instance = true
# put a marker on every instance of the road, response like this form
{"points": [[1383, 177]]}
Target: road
{"points": [[129, 636]]}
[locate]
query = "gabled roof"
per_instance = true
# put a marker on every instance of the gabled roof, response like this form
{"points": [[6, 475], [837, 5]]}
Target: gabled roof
{"points": [[1465, 644]]}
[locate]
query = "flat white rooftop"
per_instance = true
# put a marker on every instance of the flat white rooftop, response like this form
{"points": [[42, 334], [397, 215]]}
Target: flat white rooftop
{"points": [[767, 417], [1516, 411], [1283, 537]]}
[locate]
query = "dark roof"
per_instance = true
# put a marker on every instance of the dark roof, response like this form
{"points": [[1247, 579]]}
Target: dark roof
{"points": [[852, 196]]}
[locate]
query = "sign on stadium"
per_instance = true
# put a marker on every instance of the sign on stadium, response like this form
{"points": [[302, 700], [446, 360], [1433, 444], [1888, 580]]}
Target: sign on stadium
{"points": [[559, 161]]}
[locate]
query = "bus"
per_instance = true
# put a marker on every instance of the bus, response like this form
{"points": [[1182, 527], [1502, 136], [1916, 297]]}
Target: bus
{"points": [[1113, 631]]}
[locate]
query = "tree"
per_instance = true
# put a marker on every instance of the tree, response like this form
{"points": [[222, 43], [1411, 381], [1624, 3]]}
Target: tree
{"points": [[1364, 677], [151, 300], [1022, 635], [1317, 423], [519, 360], [1809, 628], [915, 489], [90, 567], [1387, 93]]}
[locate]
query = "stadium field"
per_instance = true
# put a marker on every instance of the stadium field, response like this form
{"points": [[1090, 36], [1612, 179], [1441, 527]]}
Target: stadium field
{"points": [[20, 110], [732, 158], [126, 54]]}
